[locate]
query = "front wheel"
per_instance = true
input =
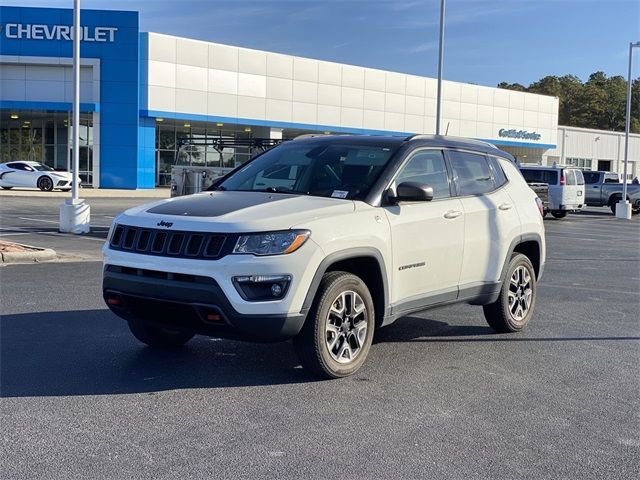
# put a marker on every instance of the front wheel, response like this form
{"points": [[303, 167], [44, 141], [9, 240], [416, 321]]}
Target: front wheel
{"points": [[559, 213], [337, 335], [7, 188], [45, 184], [514, 307], [158, 337]]}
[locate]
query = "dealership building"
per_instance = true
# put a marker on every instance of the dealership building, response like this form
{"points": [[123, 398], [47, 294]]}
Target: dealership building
{"points": [[143, 94]]}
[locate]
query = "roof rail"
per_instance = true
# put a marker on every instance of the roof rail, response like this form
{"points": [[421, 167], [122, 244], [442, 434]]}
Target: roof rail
{"points": [[457, 139], [309, 135]]}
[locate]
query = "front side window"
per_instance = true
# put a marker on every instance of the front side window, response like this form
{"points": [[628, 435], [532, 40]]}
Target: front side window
{"points": [[427, 167], [471, 172], [310, 168], [591, 177]]}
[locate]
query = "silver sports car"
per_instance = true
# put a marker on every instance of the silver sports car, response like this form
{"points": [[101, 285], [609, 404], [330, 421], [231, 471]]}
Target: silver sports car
{"points": [[33, 175]]}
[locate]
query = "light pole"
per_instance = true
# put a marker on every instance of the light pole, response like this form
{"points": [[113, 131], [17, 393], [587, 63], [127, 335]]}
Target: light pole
{"points": [[440, 66], [623, 208], [75, 215]]}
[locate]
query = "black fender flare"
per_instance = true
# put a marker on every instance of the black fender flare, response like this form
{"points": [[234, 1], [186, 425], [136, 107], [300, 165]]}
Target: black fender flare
{"points": [[527, 237], [356, 252]]}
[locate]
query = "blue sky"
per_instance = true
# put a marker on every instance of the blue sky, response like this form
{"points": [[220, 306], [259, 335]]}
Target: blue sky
{"points": [[487, 41]]}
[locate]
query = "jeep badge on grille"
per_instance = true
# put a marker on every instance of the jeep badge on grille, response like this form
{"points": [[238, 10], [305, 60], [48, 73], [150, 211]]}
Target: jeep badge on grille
{"points": [[162, 223]]}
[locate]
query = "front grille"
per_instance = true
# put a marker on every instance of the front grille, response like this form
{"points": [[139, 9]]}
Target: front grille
{"points": [[153, 241]]}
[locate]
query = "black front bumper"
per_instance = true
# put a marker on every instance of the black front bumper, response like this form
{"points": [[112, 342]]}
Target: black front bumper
{"points": [[188, 302]]}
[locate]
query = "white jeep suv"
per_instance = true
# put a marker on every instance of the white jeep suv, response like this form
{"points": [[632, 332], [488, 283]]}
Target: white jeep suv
{"points": [[324, 240]]}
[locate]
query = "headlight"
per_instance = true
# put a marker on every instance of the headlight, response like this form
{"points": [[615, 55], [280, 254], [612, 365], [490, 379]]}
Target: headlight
{"points": [[271, 243], [111, 228]]}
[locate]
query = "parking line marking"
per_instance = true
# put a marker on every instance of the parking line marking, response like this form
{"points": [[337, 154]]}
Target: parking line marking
{"points": [[57, 223], [575, 287]]}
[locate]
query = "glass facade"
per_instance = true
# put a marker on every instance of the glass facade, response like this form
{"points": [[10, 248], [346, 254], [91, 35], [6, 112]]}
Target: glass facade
{"points": [[45, 137], [170, 134]]}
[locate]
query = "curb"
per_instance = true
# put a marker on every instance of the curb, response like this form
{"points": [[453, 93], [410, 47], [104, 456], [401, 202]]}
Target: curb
{"points": [[38, 255]]}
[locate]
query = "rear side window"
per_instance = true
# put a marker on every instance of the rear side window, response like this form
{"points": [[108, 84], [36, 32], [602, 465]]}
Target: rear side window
{"points": [[471, 173], [540, 176], [498, 174], [611, 178], [20, 166], [579, 177]]}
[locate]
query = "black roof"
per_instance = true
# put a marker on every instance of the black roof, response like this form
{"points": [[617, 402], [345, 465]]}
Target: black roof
{"points": [[419, 140]]}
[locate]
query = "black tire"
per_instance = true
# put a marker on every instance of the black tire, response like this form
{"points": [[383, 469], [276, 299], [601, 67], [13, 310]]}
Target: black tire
{"points": [[158, 337], [6, 188], [498, 314], [65, 189], [559, 213], [311, 344], [544, 214], [613, 201], [45, 184]]}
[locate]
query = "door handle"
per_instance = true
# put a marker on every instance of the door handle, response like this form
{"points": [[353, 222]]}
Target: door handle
{"points": [[505, 206], [452, 214]]}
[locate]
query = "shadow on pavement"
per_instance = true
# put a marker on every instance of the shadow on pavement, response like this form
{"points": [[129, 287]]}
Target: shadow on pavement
{"points": [[414, 329], [91, 352]]}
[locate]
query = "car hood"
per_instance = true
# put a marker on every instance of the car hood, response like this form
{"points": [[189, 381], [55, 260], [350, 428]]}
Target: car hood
{"points": [[234, 211], [65, 175]]}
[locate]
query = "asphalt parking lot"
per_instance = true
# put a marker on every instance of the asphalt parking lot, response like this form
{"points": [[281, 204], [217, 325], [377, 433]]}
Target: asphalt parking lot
{"points": [[440, 396]]}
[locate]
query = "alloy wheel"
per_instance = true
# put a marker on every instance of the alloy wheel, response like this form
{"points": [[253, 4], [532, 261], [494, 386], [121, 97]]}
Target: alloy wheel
{"points": [[346, 327], [520, 293], [46, 183]]}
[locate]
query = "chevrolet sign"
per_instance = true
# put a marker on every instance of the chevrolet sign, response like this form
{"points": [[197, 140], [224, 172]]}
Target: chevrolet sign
{"points": [[58, 32]]}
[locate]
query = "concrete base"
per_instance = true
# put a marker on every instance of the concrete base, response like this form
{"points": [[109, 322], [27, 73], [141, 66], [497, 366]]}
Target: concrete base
{"points": [[623, 210], [75, 217]]}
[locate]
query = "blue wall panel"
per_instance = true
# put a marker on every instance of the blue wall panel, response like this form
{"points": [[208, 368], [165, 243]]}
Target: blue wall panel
{"points": [[147, 153], [119, 109]]}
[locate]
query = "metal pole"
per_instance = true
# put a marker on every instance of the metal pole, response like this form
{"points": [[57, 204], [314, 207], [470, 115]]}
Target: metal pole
{"points": [[440, 67], [76, 99], [627, 125]]}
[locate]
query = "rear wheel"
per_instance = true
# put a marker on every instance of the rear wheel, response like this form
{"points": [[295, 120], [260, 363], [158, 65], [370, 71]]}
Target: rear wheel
{"points": [[45, 184], [158, 337], [514, 307], [6, 188], [337, 335], [559, 213], [613, 201]]}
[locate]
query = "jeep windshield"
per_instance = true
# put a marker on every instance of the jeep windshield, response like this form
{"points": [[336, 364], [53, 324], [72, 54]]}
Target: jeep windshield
{"points": [[323, 169]]}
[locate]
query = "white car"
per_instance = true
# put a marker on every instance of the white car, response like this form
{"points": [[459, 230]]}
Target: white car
{"points": [[351, 234], [33, 175]]}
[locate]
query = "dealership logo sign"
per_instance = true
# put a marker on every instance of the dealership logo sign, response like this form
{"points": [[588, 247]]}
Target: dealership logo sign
{"points": [[522, 134], [58, 32]]}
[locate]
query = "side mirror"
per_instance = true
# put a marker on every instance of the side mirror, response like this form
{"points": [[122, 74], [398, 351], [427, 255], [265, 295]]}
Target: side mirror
{"points": [[412, 192]]}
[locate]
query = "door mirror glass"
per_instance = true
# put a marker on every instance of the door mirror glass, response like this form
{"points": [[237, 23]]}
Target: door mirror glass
{"points": [[412, 192]]}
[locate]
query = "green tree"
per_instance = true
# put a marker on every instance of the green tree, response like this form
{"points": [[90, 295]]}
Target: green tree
{"points": [[600, 102]]}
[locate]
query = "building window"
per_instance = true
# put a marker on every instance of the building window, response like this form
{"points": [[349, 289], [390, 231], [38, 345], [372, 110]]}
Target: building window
{"points": [[579, 162]]}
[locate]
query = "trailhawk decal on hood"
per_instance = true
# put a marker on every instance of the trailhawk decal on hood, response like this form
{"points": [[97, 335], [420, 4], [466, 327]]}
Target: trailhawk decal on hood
{"points": [[215, 204]]}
